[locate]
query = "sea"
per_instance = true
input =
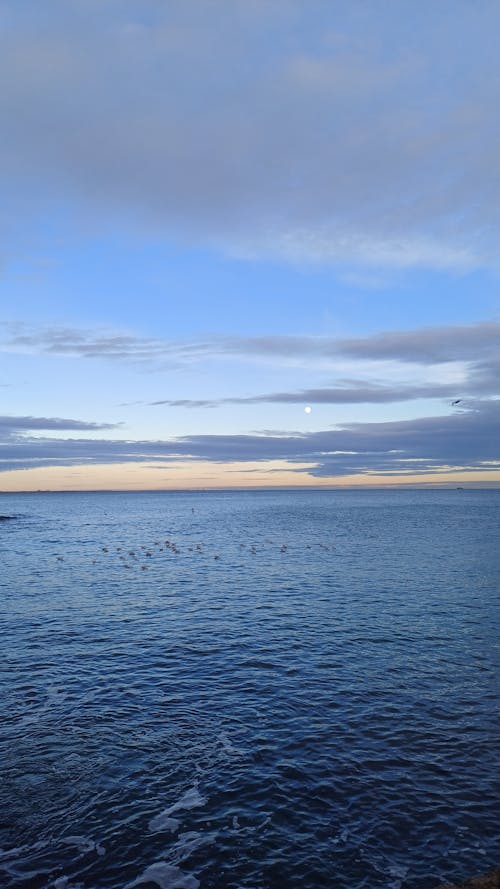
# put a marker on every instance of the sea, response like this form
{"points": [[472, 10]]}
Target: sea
{"points": [[249, 690]]}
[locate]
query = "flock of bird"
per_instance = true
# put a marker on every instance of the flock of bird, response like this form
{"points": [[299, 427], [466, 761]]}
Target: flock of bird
{"points": [[139, 556]]}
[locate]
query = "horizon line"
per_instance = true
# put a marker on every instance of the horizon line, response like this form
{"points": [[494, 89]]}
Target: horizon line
{"points": [[264, 488]]}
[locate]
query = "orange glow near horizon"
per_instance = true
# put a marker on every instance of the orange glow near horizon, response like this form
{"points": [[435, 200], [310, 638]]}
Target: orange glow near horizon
{"points": [[195, 475]]}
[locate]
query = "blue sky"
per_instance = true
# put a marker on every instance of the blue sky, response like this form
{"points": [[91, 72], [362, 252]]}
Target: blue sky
{"points": [[218, 213]]}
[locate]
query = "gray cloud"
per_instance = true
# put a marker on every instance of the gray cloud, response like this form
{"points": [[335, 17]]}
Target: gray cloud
{"points": [[428, 345], [468, 439], [11, 425], [108, 345], [364, 393], [476, 346], [81, 343], [352, 132]]}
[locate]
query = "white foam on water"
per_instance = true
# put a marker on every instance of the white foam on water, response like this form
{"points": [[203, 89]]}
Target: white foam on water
{"points": [[166, 876], [164, 822], [228, 746], [190, 841], [84, 844], [64, 883], [191, 799]]}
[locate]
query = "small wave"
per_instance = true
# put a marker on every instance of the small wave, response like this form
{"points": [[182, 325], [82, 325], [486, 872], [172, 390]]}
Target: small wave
{"points": [[191, 799], [228, 746], [84, 844], [164, 822], [189, 842], [342, 837], [399, 874], [17, 851], [64, 883], [255, 663], [166, 876]]}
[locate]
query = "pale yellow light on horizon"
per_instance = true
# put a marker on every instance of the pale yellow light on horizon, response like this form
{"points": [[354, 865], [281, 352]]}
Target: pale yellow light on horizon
{"points": [[204, 474]]}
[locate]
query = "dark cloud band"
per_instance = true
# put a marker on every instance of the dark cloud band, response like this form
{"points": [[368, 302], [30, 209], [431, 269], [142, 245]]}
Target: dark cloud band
{"points": [[11, 425], [465, 440]]}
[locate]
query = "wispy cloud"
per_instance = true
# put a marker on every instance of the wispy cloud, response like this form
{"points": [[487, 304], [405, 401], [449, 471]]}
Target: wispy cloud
{"points": [[347, 135], [104, 344], [474, 347], [428, 345]]}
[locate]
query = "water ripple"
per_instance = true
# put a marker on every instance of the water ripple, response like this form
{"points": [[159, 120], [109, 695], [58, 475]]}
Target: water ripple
{"points": [[317, 706]]}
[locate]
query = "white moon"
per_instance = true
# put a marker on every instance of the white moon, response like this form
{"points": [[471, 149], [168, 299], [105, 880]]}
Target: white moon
{"points": [[308, 409]]}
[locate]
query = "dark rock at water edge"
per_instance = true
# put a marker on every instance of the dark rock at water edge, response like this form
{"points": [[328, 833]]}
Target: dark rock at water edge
{"points": [[491, 880]]}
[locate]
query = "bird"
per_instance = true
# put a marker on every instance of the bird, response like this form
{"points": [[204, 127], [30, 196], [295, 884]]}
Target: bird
{"points": [[457, 401]]}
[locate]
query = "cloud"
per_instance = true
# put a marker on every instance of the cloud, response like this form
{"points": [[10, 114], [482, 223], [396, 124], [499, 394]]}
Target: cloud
{"points": [[334, 133], [428, 345], [103, 344], [467, 439], [361, 393], [21, 425], [474, 347]]}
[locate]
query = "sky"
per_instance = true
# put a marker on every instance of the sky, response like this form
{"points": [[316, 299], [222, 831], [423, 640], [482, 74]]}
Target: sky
{"points": [[249, 243]]}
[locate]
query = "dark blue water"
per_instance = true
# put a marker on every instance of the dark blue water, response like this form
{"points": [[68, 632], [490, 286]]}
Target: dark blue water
{"points": [[297, 690]]}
